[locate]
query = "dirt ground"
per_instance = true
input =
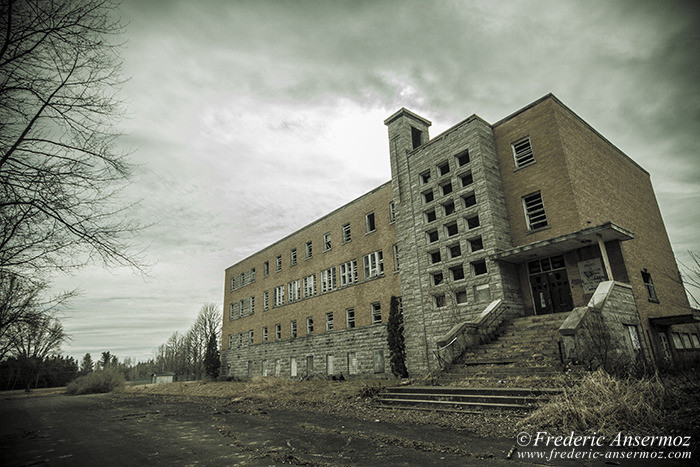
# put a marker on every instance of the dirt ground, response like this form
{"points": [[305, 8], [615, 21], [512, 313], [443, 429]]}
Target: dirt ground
{"points": [[156, 429]]}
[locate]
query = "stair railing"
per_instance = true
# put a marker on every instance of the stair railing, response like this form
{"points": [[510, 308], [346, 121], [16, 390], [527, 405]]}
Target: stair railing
{"points": [[467, 334]]}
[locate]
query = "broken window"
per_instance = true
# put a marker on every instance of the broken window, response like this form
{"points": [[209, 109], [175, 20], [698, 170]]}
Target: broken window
{"points": [[433, 236], [278, 331], [437, 278], [266, 300], [329, 321], [293, 257], [293, 328], [266, 268], [396, 257], [376, 313], [374, 264], [522, 152], [649, 286], [392, 212], [264, 333], [462, 158], [534, 211], [449, 208], [309, 325], [348, 273], [479, 267], [425, 177], [440, 300], [457, 273], [294, 291], [476, 244], [369, 221], [309, 284], [350, 318], [279, 263], [326, 241], [327, 280], [278, 295], [416, 137], [346, 233], [309, 250]]}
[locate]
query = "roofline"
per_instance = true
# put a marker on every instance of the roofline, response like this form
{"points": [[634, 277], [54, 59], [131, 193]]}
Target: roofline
{"points": [[471, 118], [404, 111], [555, 99], [374, 190]]}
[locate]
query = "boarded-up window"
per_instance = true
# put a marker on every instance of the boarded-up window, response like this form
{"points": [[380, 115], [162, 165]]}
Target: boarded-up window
{"points": [[379, 361], [293, 366], [352, 363], [330, 364]]}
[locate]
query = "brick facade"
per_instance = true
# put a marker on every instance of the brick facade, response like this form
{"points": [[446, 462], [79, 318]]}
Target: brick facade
{"points": [[534, 210]]}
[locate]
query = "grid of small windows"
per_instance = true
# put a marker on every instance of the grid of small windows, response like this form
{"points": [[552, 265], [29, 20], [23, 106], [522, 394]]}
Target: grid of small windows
{"points": [[522, 152], [534, 211]]}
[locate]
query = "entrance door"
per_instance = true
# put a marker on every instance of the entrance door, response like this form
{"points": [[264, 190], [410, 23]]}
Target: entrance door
{"points": [[550, 286]]}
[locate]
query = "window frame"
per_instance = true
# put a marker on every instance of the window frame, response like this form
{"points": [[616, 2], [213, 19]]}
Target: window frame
{"points": [[523, 157], [350, 322], [535, 212], [376, 312], [370, 222]]}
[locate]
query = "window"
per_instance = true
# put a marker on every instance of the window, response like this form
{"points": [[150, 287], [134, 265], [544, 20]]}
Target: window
{"points": [[686, 341], [374, 264], [449, 208], [279, 263], [252, 305], [293, 257], [376, 313], [457, 273], [482, 293], [425, 177], [634, 337], [266, 268], [266, 300], [234, 311], [326, 241], [433, 236], [479, 267], [309, 250], [469, 200], [534, 211], [230, 341], [350, 318], [379, 361], [293, 328], [240, 339], [451, 229], [250, 336], [428, 196], [439, 300], [444, 168], [461, 296], [462, 158], [309, 285], [472, 222], [264, 333], [369, 222], [476, 244], [649, 286], [293, 290], [677, 342], [430, 216], [392, 212], [278, 295], [416, 137], [396, 257], [309, 325], [352, 363], [467, 179], [278, 331], [695, 340], [455, 251], [346, 233], [327, 280], [522, 153], [435, 256], [348, 273], [446, 189], [437, 278], [329, 321]]}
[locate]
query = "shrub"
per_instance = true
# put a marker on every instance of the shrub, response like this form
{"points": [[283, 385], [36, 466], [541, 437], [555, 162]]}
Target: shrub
{"points": [[99, 381]]}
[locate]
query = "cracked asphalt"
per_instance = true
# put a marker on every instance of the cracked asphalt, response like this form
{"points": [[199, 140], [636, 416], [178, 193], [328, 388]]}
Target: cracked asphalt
{"points": [[123, 429]]}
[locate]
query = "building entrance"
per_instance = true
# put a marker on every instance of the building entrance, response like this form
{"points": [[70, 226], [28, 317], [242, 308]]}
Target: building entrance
{"points": [[550, 285]]}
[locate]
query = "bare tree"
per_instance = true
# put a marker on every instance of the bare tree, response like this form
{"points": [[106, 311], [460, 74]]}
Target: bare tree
{"points": [[36, 339], [60, 174]]}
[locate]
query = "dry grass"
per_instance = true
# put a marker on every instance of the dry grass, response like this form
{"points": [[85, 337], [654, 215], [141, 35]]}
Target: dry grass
{"points": [[98, 381], [608, 405], [281, 392]]}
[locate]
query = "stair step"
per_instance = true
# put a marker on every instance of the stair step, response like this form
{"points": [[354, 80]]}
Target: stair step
{"points": [[483, 390], [466, 405]]}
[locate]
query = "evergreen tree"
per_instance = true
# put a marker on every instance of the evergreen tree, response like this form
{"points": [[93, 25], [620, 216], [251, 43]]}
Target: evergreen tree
{"points": [[87, 366], [212, 363], [396, 342]]}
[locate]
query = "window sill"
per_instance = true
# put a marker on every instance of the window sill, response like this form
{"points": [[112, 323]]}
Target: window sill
{"points": [[533, 231], [529, 164], [370, 232], [654, 300]]}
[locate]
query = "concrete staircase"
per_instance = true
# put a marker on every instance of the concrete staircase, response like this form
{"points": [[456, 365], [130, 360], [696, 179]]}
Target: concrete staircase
{"points": [[463, 399], [524, 348]]}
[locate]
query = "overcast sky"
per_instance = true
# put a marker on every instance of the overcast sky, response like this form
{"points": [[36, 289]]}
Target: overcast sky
{"points": [[250, 119]]}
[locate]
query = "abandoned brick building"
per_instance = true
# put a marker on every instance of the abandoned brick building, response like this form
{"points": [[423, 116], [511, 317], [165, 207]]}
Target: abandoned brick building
{"points": [[535, 214]]}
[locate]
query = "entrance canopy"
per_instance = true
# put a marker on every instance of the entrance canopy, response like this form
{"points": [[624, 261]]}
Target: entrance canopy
{"points": [[693, 316], [563, 243]]}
